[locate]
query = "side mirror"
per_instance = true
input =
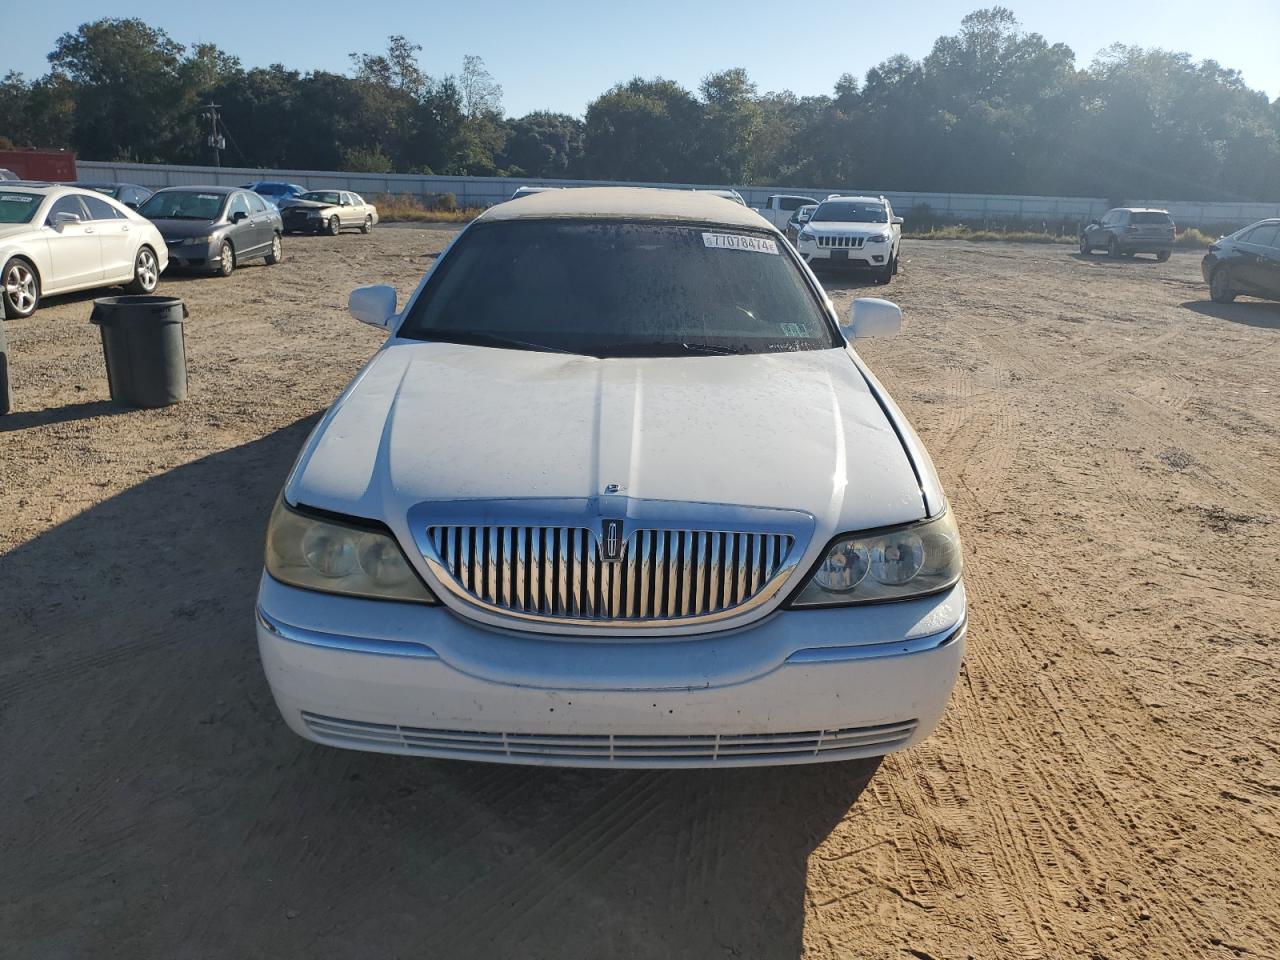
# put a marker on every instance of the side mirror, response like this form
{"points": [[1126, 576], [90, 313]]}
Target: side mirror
{"points": [[873, 317], [131, 205], [62, 218], [1095, 223], [897, 221], [238, 216], [374, 305]]}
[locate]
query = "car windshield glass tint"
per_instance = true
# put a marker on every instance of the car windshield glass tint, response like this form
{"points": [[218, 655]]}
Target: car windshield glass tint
{"points": [[844, 211], [618, 288], [321, 196], [183, 205], [1149, 218], [18, 207]]}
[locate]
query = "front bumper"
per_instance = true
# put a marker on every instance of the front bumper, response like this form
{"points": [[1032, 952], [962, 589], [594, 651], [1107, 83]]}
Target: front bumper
{"points": [[795, 687], [868, 256], [204, 256]]}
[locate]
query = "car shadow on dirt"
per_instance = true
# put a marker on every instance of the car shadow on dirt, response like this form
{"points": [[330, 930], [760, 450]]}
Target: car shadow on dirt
{"points": [[1145, 260], [156, 804], [1250, 313]]}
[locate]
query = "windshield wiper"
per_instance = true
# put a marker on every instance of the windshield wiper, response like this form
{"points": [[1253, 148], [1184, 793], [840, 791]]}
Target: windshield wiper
{"points": [[672, 347], [492, 340]]}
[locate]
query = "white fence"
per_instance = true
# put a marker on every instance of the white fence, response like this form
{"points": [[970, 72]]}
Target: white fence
{"points": [[485, 191]]}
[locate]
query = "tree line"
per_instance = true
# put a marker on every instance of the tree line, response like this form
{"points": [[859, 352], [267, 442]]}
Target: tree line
{"points": [[991, 109]]}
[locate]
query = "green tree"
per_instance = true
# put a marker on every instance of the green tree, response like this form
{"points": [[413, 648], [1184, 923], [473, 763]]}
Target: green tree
{"points": [[645, 130], [128, 87]]}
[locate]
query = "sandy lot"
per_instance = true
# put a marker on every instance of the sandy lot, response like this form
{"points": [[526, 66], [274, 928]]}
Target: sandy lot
{"points": [[1106, 783]]}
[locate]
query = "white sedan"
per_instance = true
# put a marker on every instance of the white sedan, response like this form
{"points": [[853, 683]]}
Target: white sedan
{"points": [[616, 491], [56, 239]]}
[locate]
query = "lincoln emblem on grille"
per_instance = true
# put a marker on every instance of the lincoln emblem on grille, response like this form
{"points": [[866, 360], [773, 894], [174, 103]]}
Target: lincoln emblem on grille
{"points": [[611, 542]]}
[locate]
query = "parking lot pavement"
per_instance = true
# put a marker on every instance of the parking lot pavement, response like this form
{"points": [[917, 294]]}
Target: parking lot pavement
{"points": [[1105, 782]]}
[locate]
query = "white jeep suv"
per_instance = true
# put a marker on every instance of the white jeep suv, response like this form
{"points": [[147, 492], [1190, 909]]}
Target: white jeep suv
{"points": [[616, 491], [858, 232]]}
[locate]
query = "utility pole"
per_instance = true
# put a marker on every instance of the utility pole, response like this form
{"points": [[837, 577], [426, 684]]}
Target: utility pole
{"points": [[216, 141]]}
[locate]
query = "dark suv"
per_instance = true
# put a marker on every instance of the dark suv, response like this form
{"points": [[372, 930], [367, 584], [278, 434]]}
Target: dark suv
{"points": [[1246, 262], [1124, 231]]}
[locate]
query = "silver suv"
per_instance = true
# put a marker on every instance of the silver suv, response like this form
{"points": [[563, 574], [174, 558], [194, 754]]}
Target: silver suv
{"points": [[1124, 231]]}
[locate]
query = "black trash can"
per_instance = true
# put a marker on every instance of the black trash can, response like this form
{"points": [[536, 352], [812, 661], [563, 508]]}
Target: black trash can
{"points": [[142, 340], [6, 394]]}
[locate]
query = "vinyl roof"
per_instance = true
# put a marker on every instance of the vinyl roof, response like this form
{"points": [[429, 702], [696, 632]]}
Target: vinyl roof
{"points": [[627, 203]]}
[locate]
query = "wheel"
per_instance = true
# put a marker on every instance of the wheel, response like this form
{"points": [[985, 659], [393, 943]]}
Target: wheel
{"points": [[334, 226], [1220, 286], [1163, 255], [146, 272], [228, 258], [1085, 247], [1113, 248], [896, 258], [21, 289], [277, 250], [368, 224], [884, 274]]}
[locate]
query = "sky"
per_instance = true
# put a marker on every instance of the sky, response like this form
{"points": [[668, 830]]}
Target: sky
{"points": [[560, 54]]}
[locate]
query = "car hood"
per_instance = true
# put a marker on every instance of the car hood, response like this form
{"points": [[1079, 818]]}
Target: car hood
{"points": [[8, 230], [311, 205], [835, 228], [181, 229], [438, 421]]}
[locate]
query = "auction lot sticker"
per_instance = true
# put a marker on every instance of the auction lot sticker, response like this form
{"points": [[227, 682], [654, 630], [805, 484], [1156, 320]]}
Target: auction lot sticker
{"points": [[738, 241]]}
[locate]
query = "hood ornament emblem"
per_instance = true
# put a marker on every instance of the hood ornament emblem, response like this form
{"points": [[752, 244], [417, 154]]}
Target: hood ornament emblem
{"points": [[611, 541]]}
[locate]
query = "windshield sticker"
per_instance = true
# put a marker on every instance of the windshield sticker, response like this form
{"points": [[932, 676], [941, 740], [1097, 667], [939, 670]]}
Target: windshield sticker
{"points": [[737, 241], [15, 198], [793, 330], [209, 196]]}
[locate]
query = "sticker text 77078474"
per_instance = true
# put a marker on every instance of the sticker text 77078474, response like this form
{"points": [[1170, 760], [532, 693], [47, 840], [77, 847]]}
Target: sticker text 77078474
{"points": [[739, 241]]}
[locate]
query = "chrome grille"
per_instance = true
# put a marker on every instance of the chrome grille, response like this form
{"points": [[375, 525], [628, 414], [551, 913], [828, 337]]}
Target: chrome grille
{"points": [[639, 750], [558, 572], [845, 242]]}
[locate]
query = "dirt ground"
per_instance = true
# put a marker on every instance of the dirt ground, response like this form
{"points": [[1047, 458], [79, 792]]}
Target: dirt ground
{"points": [[1106, 783]]}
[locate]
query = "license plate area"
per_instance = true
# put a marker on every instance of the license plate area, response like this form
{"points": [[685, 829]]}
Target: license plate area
{"points": [[839, 254]]}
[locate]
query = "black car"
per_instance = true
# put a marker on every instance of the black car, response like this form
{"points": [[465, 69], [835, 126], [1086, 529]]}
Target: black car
{"points": [[1247, 261], [130, 194], [215, 228], [1124, 231]]}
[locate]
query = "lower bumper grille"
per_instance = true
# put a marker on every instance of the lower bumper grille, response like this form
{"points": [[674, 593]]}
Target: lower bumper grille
{"points": [[615, 749]]}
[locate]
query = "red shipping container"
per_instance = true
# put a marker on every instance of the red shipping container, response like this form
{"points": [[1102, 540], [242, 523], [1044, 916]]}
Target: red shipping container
{"points": [[31, 164]]}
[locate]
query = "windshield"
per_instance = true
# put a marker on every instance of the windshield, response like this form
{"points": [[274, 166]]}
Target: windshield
{"points": [[1148, 217], [183, 205], [321, 196], [620, 289], [850, 211], [18, 207]]}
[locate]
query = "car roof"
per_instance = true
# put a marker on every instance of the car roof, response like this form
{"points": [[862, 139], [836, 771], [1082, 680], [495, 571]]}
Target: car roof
{"points": [[92, 184], [189, 188], [646, 203], [1144, 209], [854, 199]]}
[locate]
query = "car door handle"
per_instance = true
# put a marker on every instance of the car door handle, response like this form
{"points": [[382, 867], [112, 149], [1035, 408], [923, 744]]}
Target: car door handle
{"points": [[125, 228], [88, 229]]}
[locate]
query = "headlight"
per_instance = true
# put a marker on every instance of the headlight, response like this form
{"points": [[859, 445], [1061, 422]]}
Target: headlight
{"points": [[806, 233], [877, 238], [907, 561], [197, 241], [335, 557]]}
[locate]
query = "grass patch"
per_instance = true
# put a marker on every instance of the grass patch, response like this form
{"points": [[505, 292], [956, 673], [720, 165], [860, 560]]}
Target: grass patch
{"points": [[432, 208], [961, 232], [1190, 238]]}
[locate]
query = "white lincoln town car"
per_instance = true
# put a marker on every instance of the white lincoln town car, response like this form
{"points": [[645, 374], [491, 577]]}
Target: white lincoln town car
{"points": [[617, 491]]}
